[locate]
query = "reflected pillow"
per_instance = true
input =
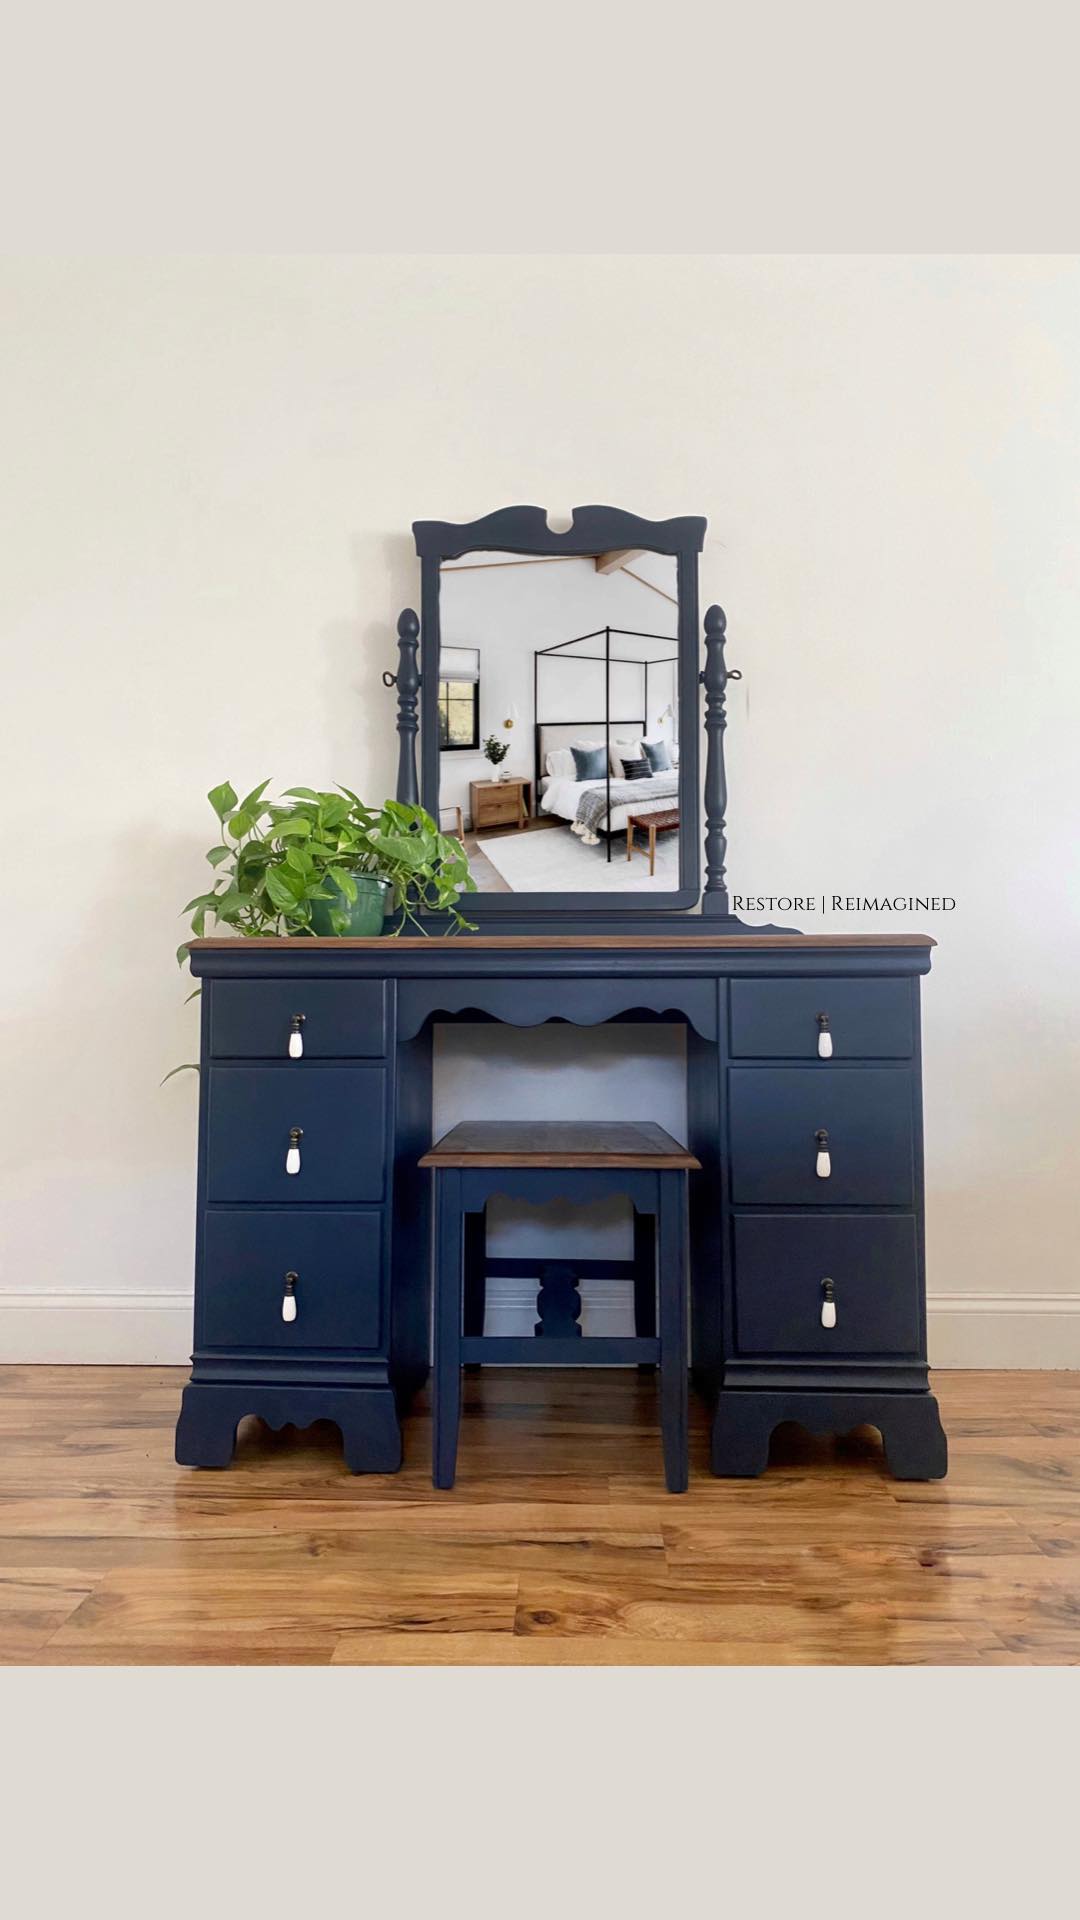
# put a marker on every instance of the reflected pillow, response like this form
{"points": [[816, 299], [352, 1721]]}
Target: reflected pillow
{"points": [[590, 763], [560, 764], [636, 769], [657, 755], [623, 750]]}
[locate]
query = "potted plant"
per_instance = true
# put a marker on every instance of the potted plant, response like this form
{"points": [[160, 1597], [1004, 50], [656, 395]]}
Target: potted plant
{"points": [[326, 863], [496, 751]]}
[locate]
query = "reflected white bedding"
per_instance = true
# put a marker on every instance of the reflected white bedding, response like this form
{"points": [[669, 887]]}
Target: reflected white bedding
{"points": [[562, 797]]}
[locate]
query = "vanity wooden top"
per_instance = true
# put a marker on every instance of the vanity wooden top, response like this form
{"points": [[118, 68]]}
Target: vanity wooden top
{"points": [[550, 942], [559, 1143]]}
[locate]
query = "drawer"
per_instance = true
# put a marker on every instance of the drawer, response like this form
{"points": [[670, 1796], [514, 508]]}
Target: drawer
{"points": [[340, 1112], [867, 1113], [253, 1019], [495, 813], [336, 1258], [781, 1261], [867, 1019]]}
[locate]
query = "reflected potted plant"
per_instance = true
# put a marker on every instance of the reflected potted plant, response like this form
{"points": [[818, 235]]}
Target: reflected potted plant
{"points": [[496, 751], [326, 863]]}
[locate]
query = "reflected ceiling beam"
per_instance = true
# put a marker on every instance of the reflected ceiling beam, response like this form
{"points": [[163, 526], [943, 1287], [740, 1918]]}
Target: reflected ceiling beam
{"points": [[662, 591], [611, 562]]}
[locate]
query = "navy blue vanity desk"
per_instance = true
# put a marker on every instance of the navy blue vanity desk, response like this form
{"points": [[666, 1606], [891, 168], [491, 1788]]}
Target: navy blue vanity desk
{"points": [[312, 1293]]}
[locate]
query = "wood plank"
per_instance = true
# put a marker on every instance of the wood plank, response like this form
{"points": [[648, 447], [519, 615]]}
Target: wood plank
{"points": [[552, 942], [911, 1647], [215, 1605], [558, 1546], [35, 1601], [559, 1143]]}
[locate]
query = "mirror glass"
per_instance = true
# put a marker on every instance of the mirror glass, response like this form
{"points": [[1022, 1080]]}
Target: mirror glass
{"points": [[559, 720]]}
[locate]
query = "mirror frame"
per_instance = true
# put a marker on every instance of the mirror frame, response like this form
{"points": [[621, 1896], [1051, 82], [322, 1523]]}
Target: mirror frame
{"points": [[593, 530]]}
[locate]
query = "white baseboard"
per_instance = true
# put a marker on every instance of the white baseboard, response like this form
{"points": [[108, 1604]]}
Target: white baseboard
{"points": [[1003, 1329], [95, 1329], [154, 1329]]}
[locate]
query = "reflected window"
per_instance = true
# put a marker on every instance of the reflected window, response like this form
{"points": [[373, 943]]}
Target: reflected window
{"points": [[459, 699]]}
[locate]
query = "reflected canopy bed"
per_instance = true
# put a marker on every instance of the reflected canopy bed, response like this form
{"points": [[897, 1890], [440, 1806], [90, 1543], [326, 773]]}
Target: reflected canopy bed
{"points": [[601, 806]]}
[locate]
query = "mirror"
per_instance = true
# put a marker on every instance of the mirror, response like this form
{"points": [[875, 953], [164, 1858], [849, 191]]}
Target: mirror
{"points": [[557, 672], [558, 720]]}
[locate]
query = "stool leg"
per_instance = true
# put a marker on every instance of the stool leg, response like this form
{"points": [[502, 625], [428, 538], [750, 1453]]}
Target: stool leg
{"points": [[448, 1288], [674, 1381], [475, 1228], [645, 1281]]}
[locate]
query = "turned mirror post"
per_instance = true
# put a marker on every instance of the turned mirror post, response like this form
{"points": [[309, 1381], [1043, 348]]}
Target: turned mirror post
{"points": [[407, 682], [714, 678]]}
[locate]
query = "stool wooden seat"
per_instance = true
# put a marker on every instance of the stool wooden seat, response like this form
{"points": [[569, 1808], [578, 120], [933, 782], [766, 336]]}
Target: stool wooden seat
{"points": [[571, 1160]]}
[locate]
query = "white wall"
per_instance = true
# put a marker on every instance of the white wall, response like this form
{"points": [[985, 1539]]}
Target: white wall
{"points": [[210, 467], [510, 611]]}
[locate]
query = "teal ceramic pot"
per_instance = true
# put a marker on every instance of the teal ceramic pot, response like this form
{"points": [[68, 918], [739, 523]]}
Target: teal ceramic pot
{"points": [[365, 916]]}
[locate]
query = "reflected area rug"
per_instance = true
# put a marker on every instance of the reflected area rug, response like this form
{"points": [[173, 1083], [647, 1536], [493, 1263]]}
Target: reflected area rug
{"points": [[555, 861]]}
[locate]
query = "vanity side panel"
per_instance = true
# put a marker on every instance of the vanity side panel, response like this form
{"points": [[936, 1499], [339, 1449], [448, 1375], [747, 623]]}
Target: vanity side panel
{"points": [[705, 1080], [919, 1150], [202, 1159], [410, 1213]]}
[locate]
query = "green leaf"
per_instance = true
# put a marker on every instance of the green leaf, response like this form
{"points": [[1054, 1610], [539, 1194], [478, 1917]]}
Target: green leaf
{"points": [[222, 799], [293, 823], [201, 900], [189, 1066], [251, 800], [238, 824], [360, 806], [182, 954], [301, 793], [231, 905], [252, 858], [399, 848], [346, 882], [193, 996], [279, 890], [217, 854]]}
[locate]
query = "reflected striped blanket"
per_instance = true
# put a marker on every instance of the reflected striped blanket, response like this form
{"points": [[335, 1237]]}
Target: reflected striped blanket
{"points": [[592, 807]]}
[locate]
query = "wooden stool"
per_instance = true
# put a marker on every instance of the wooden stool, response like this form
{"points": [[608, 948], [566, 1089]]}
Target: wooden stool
{"points": [[541, 1160], [654, 823]]}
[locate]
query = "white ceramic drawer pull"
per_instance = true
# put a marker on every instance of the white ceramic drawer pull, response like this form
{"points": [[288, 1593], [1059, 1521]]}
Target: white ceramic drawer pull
{"points": [[292, 1158], [828, 1304], [288, 1298], [823, 1164], [296, 1038], [824, 1037]]}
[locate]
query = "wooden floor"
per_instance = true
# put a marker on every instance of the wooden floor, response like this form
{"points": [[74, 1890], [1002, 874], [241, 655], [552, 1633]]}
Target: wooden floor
{"points": [[557, 1546]]}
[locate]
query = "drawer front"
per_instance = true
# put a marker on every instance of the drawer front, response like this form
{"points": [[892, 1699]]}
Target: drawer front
{"points": [[336, 1259], [867, 1019], [781, 1261], [339, 1019], [495, 812], [340, 1112], [867, 1113]]}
